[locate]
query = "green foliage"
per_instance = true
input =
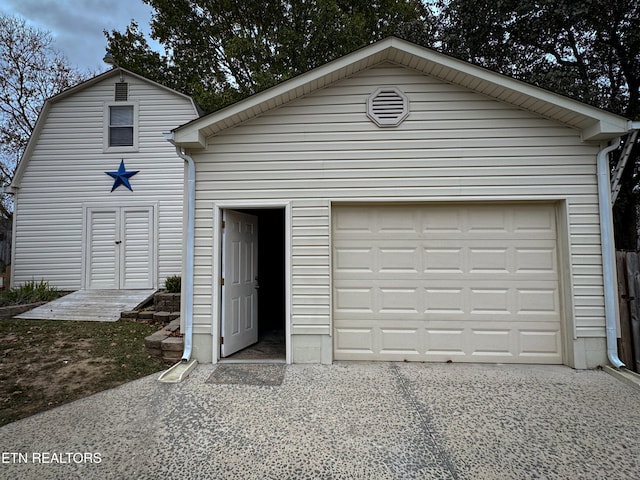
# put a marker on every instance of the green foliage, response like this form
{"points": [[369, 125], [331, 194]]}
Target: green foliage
{"points": [[585, 49], [173, 284], [134, 53], [30, 292], [220, 51]]}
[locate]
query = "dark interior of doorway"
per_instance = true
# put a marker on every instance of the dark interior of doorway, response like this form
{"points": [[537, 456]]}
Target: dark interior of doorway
{"points": [[271, 294]]}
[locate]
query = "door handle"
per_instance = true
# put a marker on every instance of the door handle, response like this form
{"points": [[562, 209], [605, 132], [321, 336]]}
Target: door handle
{"points": [[257, 284], [118, 242]]}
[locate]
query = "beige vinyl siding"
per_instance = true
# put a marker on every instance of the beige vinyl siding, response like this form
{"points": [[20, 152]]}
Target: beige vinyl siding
{"points": [[67, 170], [203, 271], [455, 145], [311, 266]]}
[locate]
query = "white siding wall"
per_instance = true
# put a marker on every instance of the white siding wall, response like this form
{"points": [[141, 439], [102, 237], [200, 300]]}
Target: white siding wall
{"points": [[455, 145], [66, 170]]}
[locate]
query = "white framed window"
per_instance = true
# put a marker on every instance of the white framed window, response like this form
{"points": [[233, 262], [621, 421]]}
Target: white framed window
{"points": [[121, 127]]}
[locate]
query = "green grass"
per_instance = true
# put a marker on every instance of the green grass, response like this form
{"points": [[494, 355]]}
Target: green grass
{"points": [[48, 363]]}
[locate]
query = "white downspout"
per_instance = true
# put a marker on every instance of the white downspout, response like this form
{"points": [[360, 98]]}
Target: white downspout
{"points": [[191, 210], [608, 249]]}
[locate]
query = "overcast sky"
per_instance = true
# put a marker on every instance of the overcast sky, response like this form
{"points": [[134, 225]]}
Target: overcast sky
{"points": [[77, 25]]}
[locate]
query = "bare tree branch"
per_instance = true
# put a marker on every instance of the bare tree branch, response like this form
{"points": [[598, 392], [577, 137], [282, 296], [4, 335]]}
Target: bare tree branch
{"points": [[31, 70]]}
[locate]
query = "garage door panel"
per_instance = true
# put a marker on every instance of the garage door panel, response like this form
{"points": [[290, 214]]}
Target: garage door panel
{"points": [[399, 300], [487, 219], [473, 303], [534, 220], [446, 259], [491, 342], [353, 259], [535, 260], [386, 221], [539, 343], [450, 256], [401, 341], [540, 301], [353, 300], [488, 260], [398, 259], [444, 220], [444, 301], [489, 301], [444, 343], [355, 342], [443, 282], [441, 343]]}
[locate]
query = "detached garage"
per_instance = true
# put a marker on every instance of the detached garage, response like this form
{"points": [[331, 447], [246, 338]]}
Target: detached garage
{"points": [[401, 205]]}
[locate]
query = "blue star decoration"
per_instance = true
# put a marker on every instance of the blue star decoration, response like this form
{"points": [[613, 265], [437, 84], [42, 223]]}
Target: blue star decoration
{"points": [[122, 176]]}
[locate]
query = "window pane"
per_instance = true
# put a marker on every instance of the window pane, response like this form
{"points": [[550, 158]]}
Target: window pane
{"points": [[120, 136], [121, 115]]}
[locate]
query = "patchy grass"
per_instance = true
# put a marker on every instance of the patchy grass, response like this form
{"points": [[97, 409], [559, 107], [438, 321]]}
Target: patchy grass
{"points": [[44, 364]]}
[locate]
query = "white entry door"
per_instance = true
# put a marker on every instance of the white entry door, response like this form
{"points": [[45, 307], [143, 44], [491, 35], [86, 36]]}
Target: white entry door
{"points": [[240, 282], [120, 248]]}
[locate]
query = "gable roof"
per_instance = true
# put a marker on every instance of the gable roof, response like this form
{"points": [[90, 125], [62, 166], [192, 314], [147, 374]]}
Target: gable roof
{"points": [[594, 123], [44, 112]]}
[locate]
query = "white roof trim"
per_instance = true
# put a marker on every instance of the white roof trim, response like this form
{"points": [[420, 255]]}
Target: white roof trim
{"points": [[594, 123]]}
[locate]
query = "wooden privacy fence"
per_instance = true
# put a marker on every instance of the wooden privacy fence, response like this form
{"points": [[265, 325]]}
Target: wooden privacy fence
{"points": [[628, 266]]}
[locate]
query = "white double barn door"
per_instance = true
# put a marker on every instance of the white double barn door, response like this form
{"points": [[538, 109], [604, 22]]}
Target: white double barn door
{"points": [[119, 248]]}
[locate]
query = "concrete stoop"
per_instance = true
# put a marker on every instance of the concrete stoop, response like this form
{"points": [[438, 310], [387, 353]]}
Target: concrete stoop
{"points": [[166, 344]]}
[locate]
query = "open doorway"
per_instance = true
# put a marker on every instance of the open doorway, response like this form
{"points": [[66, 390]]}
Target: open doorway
{"points": [[269, 345]]}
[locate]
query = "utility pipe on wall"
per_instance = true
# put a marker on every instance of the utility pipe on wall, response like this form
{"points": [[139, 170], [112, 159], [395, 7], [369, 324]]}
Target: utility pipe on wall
{"points": [[608, 249], [191, 211]]}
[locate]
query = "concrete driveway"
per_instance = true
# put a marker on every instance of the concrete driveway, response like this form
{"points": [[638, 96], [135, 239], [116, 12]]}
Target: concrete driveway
{"points": [[343, 421]]}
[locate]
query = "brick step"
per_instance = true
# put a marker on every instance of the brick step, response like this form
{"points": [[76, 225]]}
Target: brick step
{"points": [[164, 344]]}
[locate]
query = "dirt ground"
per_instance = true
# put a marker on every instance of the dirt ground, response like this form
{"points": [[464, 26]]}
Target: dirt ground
{"points": [[44, 364]]}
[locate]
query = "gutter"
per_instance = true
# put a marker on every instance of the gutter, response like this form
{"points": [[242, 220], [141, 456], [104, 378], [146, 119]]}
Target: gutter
{"points": [[608, 249], [191, 203]]}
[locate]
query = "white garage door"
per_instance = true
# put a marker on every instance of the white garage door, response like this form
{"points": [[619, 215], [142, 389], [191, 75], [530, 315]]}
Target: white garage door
{"points": [[466, 283]]}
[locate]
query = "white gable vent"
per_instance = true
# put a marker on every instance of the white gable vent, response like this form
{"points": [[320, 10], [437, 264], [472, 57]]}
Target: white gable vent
{"points": [[122, 92], [387, 107]]}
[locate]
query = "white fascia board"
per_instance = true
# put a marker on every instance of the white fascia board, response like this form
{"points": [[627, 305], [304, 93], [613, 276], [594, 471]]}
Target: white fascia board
{"points": [[31, 144], [606, 129], [276, 95], [189, 138], [605, 124], [602, 123]]}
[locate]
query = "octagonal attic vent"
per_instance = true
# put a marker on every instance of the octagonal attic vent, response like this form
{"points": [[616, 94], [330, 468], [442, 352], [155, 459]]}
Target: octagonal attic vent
{"points": [[387, 107]]}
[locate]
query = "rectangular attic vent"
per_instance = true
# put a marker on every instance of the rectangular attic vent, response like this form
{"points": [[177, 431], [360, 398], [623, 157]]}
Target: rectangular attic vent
{"points": [[122, 92], [387, 107]]}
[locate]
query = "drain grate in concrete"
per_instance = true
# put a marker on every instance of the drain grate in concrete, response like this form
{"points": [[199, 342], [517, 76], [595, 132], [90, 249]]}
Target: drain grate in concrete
{"points": [[248, 374]]}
